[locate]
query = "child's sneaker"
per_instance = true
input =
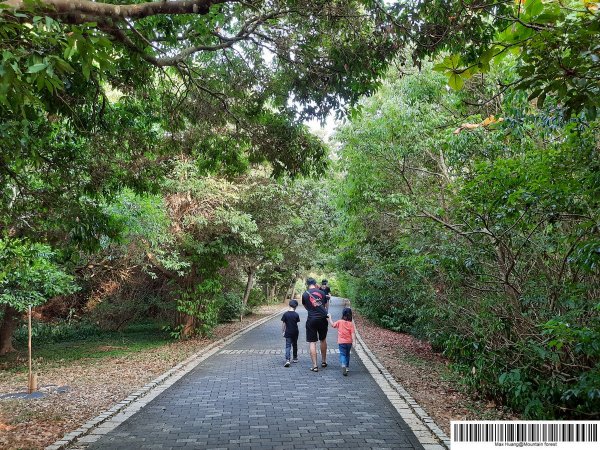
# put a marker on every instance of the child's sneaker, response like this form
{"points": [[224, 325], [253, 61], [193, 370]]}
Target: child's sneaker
{"points": [[287, 363], [345, 371], [295, 360]]}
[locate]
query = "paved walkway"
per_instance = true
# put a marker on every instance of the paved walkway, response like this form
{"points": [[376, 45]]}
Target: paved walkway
{"points": [[243, 397]]}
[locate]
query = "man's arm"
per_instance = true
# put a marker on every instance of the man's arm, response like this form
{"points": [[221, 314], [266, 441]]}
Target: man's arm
{"points": [[283, 327]]}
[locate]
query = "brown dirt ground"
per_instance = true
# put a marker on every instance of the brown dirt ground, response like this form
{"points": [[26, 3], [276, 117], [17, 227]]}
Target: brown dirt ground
{"points": [[95, 387], [427, 377]]}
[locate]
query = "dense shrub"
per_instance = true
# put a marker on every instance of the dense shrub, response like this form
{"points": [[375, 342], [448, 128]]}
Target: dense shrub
{"points": [[257, 297], [116, 312], [231, 307]]}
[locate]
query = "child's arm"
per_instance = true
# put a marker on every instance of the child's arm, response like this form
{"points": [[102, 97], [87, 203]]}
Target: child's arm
{"points": [[283, 328], [333, 324], [353, 334]]}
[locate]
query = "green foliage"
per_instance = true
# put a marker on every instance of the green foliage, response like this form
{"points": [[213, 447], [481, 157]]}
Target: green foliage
{"points": [[29, 274], [42, 332], [554, 42], [144, 225], [479, 235], [65, 55], [154, 172], [118, 311], [257, 298], [201, 303], [231, 307], [292, 218]]}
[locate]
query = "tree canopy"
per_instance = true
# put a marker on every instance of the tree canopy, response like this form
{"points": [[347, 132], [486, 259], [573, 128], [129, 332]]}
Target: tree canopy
{"points": [[556, 42], [112, 108], [116, 89]]}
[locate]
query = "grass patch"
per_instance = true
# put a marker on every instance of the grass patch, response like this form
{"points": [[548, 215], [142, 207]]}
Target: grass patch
{"points": [[94, 346]]}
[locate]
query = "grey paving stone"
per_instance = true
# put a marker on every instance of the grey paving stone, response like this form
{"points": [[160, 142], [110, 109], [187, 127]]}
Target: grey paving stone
{"points": [[243, 397]]}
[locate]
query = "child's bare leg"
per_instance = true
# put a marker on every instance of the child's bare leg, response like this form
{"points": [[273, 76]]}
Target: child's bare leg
{"points": [[323, 351]]}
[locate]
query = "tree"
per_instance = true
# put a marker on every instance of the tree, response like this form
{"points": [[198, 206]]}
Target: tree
{"points": [[253, 228], [29, 276], [312, 49], [88, 84], [99, 95], [292, 220], [476, 232], [556, 43]]}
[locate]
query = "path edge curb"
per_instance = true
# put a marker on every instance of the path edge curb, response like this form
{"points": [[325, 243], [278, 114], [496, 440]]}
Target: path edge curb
{"points": [[415, 409], [171, 375]]}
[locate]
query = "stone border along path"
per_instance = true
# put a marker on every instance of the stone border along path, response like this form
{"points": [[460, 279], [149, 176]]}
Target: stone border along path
{"points": [[414, 415], [242, 397]]}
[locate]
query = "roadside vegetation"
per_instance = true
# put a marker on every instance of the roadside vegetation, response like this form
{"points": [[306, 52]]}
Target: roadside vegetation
{"points": [[476, 228]]}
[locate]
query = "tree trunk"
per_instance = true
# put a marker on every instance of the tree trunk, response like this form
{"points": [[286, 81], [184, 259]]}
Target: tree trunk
{"points": [[272, 292], [251, 271], [289, 293], [188, 324], [9, 323]]}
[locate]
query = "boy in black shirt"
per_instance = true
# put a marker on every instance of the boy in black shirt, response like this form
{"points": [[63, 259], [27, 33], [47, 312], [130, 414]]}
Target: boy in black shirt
{"points": [[289, 327]]}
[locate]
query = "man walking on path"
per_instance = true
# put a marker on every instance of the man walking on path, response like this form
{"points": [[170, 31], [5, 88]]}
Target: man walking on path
{"points": [[315, 302], [325, 288]]}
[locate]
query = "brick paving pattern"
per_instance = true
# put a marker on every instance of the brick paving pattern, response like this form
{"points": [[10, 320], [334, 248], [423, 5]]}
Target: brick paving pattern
{"points": [[243, 397]]}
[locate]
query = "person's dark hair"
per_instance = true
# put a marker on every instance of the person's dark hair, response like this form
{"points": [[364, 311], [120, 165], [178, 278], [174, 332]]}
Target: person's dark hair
{"points": [[324, 281], [347, 314], [293, 304], [310, 281]]}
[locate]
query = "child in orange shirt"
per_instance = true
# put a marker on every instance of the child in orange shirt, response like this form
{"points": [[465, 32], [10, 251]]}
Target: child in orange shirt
{"points": [[346, 337]]}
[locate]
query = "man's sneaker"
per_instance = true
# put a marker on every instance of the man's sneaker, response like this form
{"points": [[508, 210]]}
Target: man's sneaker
{"points": [[287, 364], [345, 371], [295, 360]]}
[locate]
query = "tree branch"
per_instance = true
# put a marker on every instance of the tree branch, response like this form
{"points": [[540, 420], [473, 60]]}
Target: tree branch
{"points": [[75, 8], [245, 33]]}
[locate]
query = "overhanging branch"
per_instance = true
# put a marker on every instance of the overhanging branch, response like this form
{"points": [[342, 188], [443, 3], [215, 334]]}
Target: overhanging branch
{"points": [[75, 8], [246, 31]]}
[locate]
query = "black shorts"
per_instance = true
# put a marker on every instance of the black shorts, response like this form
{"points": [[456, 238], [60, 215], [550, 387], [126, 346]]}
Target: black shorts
{"points": [[316, 330]]}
